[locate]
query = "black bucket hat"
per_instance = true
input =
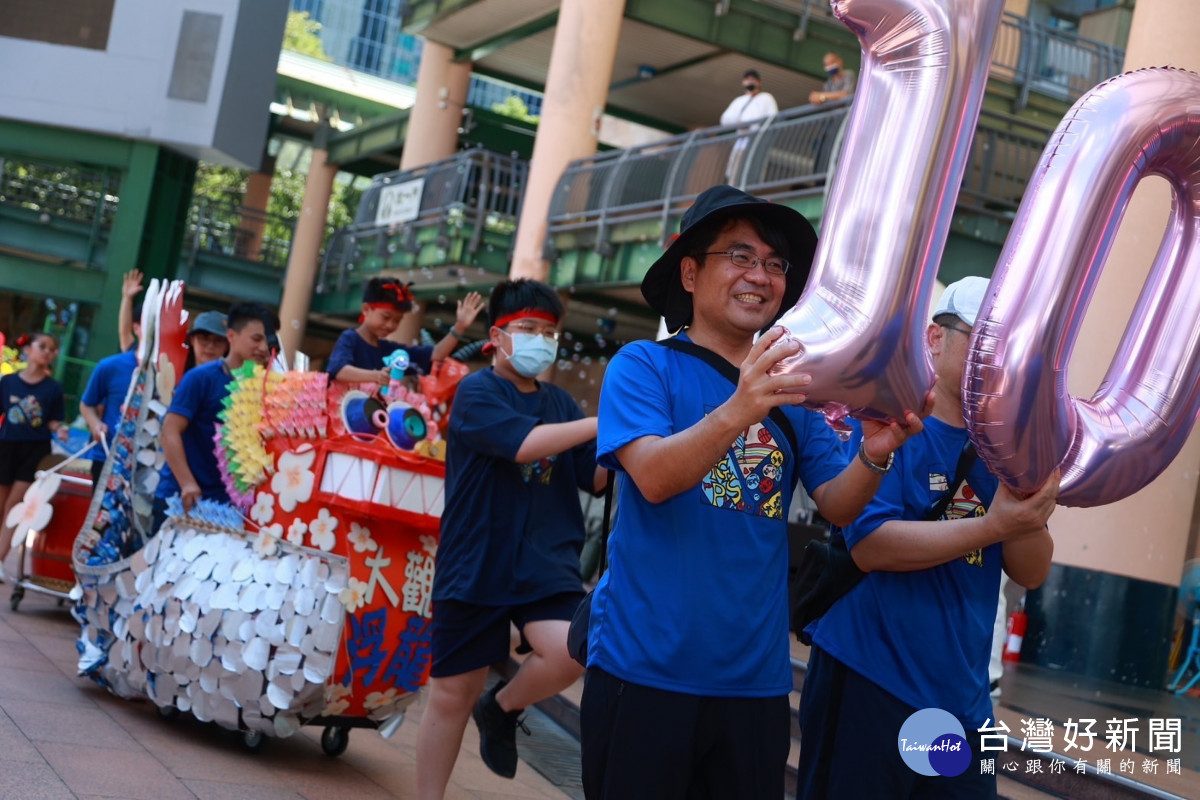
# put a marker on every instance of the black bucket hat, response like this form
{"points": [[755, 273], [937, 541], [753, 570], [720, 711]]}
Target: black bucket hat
{"points": [[663, 288]]}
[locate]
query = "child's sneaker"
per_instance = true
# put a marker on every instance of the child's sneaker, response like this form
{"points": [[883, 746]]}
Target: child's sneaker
{"points": [[497, 733]]}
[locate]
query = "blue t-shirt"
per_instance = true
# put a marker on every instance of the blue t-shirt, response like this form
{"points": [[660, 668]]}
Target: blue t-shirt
{"points": [[511, 533], [108, 387], [29, 408], [695, 597], [352, 350], [198, 398], [925, 636]]}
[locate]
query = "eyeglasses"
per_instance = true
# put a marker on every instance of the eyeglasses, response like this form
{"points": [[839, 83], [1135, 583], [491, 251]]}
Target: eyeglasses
{"points": [[967, 331], [532, 329], [744, 260]]}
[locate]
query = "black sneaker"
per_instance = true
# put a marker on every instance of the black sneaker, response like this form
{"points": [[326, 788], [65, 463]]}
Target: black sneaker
{"points": [[498, 733]]}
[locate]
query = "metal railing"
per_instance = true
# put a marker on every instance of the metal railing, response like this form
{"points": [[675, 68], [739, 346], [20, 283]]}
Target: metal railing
{"points": [[781, 157], [471, 192], [1032, 55], [63, 193], [1039, 58], [248, 234]]}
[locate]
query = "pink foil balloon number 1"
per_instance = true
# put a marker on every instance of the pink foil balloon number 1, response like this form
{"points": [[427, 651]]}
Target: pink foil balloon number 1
{"points": [[1022, 419], [861, 318]]}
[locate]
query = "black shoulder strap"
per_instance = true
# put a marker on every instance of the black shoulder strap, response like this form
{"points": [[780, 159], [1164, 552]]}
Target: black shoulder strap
{"points": [[966, 460], [731, 374], [606, 525]]}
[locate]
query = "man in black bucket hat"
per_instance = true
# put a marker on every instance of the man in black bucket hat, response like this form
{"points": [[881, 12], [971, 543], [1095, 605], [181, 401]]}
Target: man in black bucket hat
{"points": [[662, 287], [688, 660]]}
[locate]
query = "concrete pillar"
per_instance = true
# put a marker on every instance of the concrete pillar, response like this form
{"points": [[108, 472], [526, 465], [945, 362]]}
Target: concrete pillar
{"points": [[435, 117], [306, 246], [1146, 535], [581, 67], [1108, 607], [254, 209]]}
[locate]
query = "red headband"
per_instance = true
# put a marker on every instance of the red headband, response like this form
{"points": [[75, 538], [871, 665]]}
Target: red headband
{"points": [[403, 295], [528, 313]]}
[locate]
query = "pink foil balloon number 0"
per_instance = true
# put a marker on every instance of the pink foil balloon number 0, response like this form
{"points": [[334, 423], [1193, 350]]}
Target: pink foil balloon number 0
{"points": [[861, 318], [1020, 414]]}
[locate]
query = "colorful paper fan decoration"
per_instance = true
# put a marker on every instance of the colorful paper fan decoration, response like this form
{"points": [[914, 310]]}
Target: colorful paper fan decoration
{"points": [[10, 361], [243, 460], [239, 497], [295, 408]]}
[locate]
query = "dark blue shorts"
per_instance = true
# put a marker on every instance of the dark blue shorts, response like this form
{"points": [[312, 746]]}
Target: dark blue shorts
{"points": [[849, 728], [642, 743], [468, 636], [19, 460]]}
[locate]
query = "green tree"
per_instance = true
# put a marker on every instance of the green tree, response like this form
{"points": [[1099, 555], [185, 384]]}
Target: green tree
{"points": [[515, 107], [300, 35], [225, 187]]}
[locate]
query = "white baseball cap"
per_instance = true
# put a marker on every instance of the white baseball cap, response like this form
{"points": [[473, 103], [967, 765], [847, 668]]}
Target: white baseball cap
{"points": [[963, 299]]}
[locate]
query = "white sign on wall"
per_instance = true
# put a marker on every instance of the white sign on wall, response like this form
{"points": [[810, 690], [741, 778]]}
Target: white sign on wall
{"points": [[399, 203]]}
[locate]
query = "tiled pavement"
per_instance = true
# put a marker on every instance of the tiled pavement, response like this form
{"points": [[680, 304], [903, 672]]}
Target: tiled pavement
{"points": [[62, 736]]}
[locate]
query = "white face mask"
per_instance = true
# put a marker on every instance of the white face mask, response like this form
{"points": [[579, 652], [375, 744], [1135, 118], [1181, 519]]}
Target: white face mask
{"points": [[532, 353]]}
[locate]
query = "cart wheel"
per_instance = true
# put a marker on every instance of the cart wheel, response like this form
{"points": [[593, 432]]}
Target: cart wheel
{"points": [[334, 740], [253, 740], [18, 595], [167, 712]]}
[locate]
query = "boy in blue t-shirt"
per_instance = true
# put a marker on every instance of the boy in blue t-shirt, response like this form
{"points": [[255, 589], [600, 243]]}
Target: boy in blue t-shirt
{"points": [[519, 452], [102, 400], [358, 355], [188, 429], [916, 632]]}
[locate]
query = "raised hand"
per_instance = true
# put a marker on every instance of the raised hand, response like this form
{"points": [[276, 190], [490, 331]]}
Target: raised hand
{"points": [[468, 309], [131, 283]]}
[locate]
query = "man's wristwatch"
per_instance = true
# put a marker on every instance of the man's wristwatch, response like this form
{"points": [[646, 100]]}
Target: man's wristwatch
{"points": [[871, 465]]}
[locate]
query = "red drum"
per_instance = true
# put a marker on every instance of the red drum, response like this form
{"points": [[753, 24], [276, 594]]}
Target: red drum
{"points": [[47, 557]]}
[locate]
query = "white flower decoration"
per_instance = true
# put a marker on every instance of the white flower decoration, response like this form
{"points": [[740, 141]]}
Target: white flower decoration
{"points": [[336, 707], [360, 537], [263, 510], [375, 700], [354, 596], [321, 529], [293, 479], [34, 511], [296, 531], [266, 544], [336, 700]]}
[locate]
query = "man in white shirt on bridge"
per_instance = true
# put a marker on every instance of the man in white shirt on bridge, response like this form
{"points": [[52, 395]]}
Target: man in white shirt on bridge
{"points": [[755, 104]]}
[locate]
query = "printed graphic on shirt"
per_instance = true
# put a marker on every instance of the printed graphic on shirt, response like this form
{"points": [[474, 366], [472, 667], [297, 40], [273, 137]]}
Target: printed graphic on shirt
{"points": [[539, 472], [749, 477], [966, 503], [25, 411]]}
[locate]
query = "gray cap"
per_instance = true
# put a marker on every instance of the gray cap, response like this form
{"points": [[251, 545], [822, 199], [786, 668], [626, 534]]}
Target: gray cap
{"points": [[210, 322], [963, 299]]}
